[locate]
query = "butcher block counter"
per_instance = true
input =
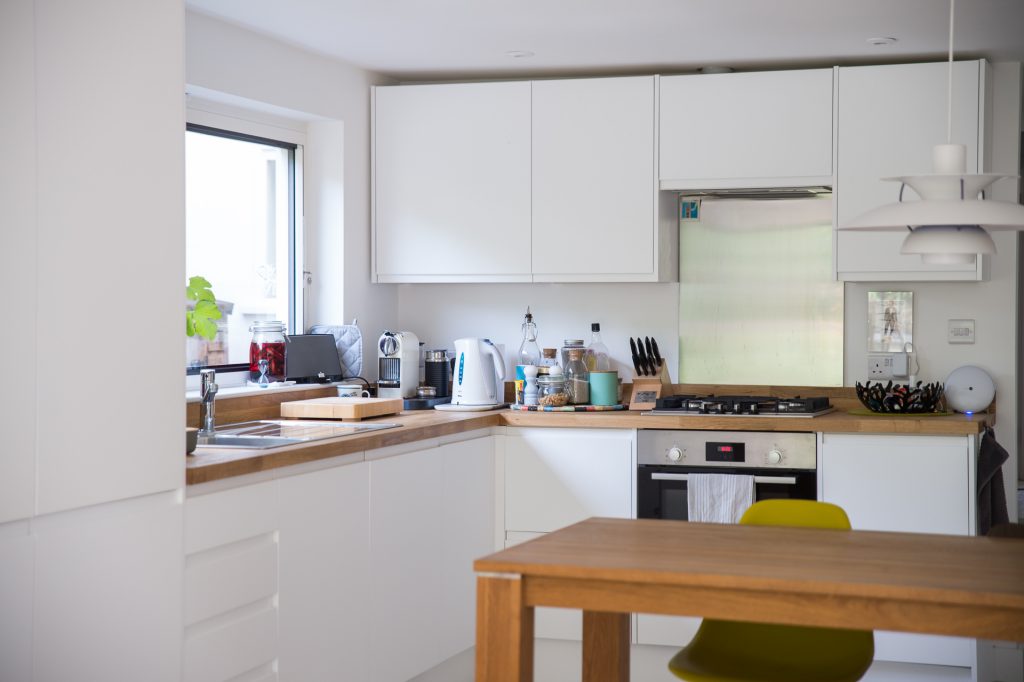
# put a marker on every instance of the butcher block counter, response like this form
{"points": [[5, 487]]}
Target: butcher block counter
{"points": [[213, 464]]}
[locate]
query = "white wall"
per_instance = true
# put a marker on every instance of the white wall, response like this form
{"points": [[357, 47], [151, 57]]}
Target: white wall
{"points": [[440, 313], [335, 98]]}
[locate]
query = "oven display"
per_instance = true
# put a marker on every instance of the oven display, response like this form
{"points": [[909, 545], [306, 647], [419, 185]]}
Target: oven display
{"points": [[724, 452]]}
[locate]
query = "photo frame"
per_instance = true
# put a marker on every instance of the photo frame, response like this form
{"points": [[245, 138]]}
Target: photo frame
{"points": [[890, 321]]}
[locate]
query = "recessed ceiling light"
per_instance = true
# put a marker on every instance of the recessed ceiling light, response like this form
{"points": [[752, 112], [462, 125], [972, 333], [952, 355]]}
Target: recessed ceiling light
{"points": [[882, 41], [519, 54]]}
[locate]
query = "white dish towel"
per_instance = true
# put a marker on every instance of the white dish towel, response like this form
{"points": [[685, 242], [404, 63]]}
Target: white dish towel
{"points": [[718, 498]]}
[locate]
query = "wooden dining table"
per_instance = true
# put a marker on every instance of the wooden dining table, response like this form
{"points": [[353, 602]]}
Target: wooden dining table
{"points": [[610, 568]]}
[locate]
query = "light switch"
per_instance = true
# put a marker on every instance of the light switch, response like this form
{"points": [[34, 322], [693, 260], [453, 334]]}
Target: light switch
{"points": [[961, 331]]}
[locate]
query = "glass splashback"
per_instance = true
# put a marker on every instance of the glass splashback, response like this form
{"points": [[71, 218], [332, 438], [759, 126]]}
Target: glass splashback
{"points": [[757, 303]]}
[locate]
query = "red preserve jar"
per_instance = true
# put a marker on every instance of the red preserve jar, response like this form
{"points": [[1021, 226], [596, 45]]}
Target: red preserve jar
{"points": [[267, 344]]}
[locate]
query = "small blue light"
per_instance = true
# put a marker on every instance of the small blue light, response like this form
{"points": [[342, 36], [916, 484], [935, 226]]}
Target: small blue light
{"points": [[969, 412]]}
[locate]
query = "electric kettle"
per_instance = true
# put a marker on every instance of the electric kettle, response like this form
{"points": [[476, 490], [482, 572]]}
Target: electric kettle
{"points": [[478, 374]]}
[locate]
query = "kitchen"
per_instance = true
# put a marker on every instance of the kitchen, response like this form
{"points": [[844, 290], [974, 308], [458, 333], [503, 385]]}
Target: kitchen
{"points": [[73, 506]]}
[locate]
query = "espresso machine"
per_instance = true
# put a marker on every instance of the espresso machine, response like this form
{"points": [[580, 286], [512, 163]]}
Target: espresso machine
{"points": [[398, 365]]}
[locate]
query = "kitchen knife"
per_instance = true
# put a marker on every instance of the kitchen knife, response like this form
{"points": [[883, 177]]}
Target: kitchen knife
{"points": [[636, 358], [657, 353], [645, 365], [650, 355]]}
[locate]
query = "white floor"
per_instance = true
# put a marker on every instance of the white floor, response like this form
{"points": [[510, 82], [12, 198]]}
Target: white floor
{"points": [[559, 661]]}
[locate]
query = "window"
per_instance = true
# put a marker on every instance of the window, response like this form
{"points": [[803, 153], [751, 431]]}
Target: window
{"points": [[240, 215]]}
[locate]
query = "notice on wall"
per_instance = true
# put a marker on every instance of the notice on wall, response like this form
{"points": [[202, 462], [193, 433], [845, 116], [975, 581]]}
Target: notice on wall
{"points": [[890, 321]]}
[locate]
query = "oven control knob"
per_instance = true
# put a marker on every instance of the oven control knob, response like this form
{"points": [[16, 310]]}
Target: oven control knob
{"points": [[675, 454], [773, 457]]}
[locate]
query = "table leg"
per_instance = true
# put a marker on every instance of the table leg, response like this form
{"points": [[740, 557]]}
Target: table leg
{"points": [[605, 647], [504, 630]]}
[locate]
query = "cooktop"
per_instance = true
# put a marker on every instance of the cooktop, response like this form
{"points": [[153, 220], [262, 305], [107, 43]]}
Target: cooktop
{"points": [[741, 406]]}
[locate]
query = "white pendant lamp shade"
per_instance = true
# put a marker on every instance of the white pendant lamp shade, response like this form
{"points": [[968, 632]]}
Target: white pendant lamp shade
{"points": [[948, 224], [948, 244]]}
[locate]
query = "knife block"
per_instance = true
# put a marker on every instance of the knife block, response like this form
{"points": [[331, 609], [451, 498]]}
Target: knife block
{"points": [[646, 390]]}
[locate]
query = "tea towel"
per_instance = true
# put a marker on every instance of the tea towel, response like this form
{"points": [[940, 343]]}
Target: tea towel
{"points": [[718, 498]]}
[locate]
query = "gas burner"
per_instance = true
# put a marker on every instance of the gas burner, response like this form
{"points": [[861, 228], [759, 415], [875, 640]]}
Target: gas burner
{"points": [[741, 405]]}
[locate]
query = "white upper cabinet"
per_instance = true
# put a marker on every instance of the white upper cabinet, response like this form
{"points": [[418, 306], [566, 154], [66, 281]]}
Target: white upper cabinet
{"points": [[769, 128], [452, 183], [594, 186], [889, 119]]}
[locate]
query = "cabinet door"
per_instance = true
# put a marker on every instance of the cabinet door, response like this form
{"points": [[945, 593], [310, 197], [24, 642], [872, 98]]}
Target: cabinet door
{"points": [[594, 188], [889, 119], [556, 477], [736, 129], [16, 569], [107, 589], [917, 484], [431, 515], [452, 182], [324, 571]]}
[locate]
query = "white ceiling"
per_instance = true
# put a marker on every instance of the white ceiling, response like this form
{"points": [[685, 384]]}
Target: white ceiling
{"points": [[422, 39]]}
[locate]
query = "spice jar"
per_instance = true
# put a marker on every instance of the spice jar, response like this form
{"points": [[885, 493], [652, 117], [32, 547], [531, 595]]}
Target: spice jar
{"points": [[266, 351], [551, 391], [577, 378]]}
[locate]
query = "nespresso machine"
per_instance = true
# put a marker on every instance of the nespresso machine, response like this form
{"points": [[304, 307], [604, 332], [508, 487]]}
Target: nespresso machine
{"points": [[398, 365]]}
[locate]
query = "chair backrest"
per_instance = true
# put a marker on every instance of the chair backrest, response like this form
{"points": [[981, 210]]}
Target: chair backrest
{"points": [[807, 513]]}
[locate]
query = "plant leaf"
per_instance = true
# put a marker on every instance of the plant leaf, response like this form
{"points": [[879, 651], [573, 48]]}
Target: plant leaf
{"points": [[207, 309], [206, 329], [190, 325], [198, 282]]}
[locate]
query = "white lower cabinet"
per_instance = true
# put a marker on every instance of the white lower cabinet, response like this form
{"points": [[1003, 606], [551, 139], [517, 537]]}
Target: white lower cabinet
{"points": [[557, 477], [431, 515], [914, 484], [323, 573]]}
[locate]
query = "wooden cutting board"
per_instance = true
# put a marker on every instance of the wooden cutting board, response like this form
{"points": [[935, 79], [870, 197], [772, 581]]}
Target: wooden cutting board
{"points": [[340, 408]]}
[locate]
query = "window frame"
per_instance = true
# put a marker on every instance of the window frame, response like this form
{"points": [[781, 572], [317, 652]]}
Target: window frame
{"points": [[295, 320]]}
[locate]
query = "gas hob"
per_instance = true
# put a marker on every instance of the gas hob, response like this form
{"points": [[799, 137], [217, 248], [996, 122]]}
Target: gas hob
{"points": [[741, 406]]}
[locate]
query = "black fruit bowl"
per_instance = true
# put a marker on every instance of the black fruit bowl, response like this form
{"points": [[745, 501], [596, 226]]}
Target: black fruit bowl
{"points": [[890, 398]]}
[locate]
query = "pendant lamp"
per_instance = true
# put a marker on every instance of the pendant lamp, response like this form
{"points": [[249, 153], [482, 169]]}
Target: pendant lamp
{"points": [[949, 224]]}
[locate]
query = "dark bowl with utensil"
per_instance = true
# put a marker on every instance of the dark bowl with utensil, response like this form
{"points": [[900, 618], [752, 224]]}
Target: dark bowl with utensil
{"points": [[890, 398]]}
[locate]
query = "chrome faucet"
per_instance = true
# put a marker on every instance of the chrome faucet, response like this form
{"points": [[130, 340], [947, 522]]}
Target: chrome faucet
{"points": [[207, 393]]}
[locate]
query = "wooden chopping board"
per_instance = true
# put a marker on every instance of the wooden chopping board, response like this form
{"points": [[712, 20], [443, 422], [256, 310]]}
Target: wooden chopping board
{"points": [[340, 408]]}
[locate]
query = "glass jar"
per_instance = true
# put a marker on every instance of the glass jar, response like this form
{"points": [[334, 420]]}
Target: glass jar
{"points": [[577, 378], [551, 390], [567, 345], [266, 351]]}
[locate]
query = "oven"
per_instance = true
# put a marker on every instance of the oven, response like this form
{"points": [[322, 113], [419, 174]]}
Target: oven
{"points": [[783, 464]]}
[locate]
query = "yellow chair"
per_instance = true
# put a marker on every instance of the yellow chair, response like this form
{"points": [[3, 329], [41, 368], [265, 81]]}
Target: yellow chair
{"points": [[729, 651]]}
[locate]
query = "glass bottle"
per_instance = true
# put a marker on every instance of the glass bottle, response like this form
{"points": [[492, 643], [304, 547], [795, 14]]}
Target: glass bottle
{"points": [[596, 356], [529, 351], [550, 358], [577, 378], [266, 351]]}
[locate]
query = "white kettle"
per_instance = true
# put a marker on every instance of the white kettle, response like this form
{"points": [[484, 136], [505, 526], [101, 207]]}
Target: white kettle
{"points": [[477, 379]]}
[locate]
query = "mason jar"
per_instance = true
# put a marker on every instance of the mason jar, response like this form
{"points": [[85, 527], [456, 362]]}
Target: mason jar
{"points": [[551, 390], [267, 345]]}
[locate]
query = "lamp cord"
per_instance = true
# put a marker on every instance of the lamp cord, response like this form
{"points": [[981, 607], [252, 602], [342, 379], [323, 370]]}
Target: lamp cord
{"points": [[949, 98]]}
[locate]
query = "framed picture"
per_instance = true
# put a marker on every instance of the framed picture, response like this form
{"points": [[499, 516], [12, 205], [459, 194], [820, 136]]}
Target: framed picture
{"points": [[890, 321]]}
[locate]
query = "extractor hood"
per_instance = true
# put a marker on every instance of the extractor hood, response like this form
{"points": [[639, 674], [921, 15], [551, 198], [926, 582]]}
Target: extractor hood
{"points": [[804, 192]]}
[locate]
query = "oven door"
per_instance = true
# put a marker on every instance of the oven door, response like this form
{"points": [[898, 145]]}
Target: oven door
{"points": [[661, 490]]}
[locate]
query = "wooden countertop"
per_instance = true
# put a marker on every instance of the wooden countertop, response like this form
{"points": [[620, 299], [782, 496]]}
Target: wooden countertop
{"points": [[210, 465]]}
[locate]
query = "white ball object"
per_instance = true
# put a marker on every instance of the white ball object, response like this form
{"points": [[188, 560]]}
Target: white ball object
{"points": [[969, 389]]}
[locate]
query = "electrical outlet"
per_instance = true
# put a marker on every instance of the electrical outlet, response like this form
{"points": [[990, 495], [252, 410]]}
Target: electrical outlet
{"points": [[879, 366]]}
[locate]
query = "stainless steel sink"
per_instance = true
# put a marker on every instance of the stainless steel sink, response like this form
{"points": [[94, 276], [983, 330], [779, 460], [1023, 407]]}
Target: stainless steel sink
{"points": [[276, 433]]}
